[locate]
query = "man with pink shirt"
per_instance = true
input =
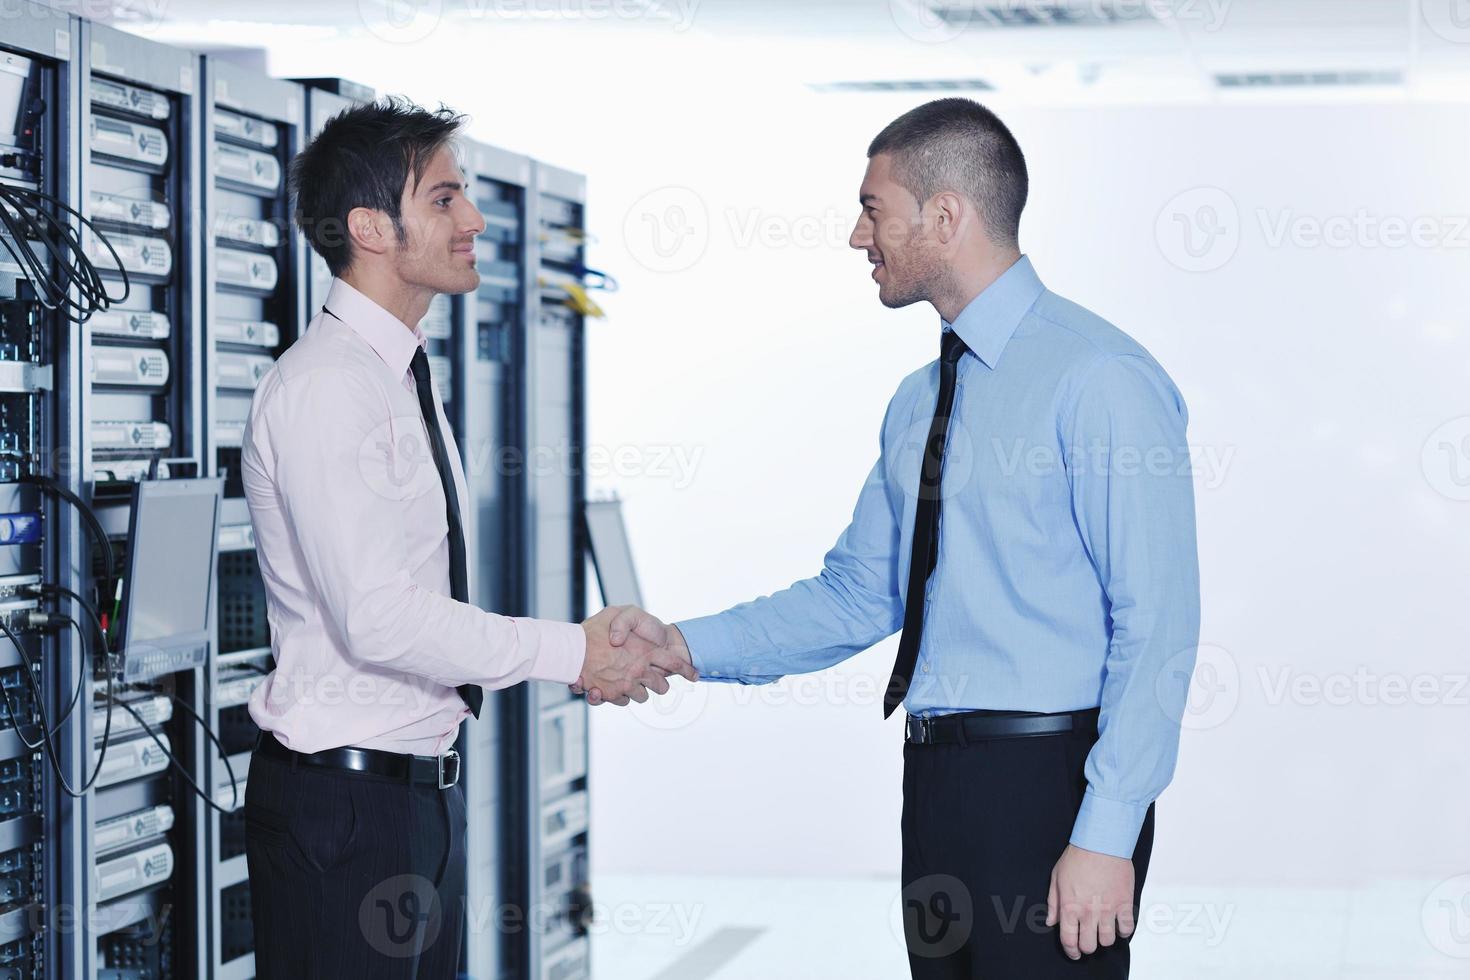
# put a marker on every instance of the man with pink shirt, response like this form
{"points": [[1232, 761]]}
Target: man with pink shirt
{"points": [[356, 495]]}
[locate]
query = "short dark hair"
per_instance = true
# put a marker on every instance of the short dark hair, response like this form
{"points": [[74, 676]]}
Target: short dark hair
{"points": [[959, 145], [361, 159]]}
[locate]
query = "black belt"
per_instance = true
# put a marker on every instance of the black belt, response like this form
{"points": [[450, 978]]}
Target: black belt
{"points": [[965, 727], [441, 771]]}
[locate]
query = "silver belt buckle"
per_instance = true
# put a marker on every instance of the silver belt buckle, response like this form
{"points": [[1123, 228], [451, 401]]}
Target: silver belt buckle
{"points": [[453, 770], [921, 730]]}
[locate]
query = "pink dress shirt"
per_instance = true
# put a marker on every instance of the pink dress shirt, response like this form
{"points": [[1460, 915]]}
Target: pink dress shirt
{"points": [[353, 543]]}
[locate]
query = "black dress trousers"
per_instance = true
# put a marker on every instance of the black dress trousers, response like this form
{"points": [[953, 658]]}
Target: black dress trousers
{"points": [[352, 876], [983, 825]]}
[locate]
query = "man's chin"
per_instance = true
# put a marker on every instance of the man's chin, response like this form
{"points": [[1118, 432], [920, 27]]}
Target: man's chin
{"points": [[458, 285], [895, 300]]}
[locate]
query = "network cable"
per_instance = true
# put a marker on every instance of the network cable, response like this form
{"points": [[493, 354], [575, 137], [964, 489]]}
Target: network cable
{"points": [[174, 760], [25, 216], [89, 517], [47, 747]]}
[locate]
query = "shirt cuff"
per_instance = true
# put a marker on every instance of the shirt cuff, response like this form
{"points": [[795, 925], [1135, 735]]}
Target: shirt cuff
{"points": [[1108, 826], [561, 649], [702, 636]]}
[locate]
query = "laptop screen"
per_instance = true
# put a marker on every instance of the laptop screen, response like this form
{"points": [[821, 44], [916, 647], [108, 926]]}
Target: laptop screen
{"points": [[172, 552]]}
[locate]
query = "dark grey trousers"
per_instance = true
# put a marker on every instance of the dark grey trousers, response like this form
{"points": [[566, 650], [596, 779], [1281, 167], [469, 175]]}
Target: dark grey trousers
{"points": [[353, 877]]}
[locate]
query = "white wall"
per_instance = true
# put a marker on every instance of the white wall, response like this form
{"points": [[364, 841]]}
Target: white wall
{"points": [[1319, 379], [1315, 376]]}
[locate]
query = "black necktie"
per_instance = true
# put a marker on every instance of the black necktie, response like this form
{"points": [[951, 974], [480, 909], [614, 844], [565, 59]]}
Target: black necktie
{"points": [[458, 568], [925, 552]]}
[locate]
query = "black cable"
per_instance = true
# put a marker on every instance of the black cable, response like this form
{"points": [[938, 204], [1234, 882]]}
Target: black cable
{"points": [[48, 731], [89, 517], [174, 760], [48, 589], [63, 246], [47, 747], [76, 694], [234, 784]]}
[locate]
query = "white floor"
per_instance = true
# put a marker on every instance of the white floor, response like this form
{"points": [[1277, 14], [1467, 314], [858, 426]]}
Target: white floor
{"points": [[693, 928]]}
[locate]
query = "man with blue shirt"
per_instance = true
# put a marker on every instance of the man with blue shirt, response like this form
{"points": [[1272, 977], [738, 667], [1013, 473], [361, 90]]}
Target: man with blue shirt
{"points": [[1029, 526]]}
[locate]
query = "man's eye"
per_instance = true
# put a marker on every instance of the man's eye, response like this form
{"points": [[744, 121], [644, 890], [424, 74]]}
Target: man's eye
{"points": [[443, 202]]}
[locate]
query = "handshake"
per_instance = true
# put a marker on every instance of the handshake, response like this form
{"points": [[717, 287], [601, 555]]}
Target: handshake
{"points": [[630, 653]]}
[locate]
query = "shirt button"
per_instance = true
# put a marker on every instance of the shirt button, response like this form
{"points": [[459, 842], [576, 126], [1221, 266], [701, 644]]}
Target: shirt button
{"points": [[926, 668]]}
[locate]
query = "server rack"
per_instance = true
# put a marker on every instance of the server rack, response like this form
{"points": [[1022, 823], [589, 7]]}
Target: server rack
{"points": [[325, 97], [488, 411], [40, 858], [139, 405], [220, 288], [546, 727], [254, 308]]}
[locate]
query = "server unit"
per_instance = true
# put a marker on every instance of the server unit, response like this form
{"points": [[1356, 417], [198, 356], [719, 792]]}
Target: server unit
{"points": [[254, 308]]}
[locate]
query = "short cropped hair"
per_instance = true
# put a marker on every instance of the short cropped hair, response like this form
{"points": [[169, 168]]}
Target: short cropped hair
{"points": [[959, 145]]}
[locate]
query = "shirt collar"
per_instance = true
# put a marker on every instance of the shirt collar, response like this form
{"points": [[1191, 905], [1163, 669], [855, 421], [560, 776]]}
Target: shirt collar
{"points": [[988, 321], [392, 339]]}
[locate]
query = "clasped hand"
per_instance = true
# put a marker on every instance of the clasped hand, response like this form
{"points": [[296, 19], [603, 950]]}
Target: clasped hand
{"points": [[629, 654]]}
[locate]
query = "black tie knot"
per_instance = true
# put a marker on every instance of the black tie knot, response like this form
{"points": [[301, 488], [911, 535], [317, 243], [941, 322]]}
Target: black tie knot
{"points": [[419, 366], [951, 347]]}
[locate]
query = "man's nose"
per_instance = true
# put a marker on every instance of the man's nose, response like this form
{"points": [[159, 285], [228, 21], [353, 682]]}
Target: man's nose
{"points": [[476, 221]]}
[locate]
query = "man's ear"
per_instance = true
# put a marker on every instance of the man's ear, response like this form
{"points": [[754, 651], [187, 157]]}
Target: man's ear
{"points": [[367, 228], [951, 214]]}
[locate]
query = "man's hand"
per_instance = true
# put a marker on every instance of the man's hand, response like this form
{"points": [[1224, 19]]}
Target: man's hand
{"points": [[628, 666], [1091, 896], [632, 627]]}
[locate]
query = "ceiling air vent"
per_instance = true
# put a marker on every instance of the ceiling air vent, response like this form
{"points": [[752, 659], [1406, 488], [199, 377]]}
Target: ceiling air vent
{"points": [[1025, 13], [931, 85], [1307, 79]]}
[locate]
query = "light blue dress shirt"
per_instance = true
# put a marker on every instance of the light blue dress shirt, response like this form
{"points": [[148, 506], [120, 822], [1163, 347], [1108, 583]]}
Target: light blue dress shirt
{"points": [[1067, 576]]}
